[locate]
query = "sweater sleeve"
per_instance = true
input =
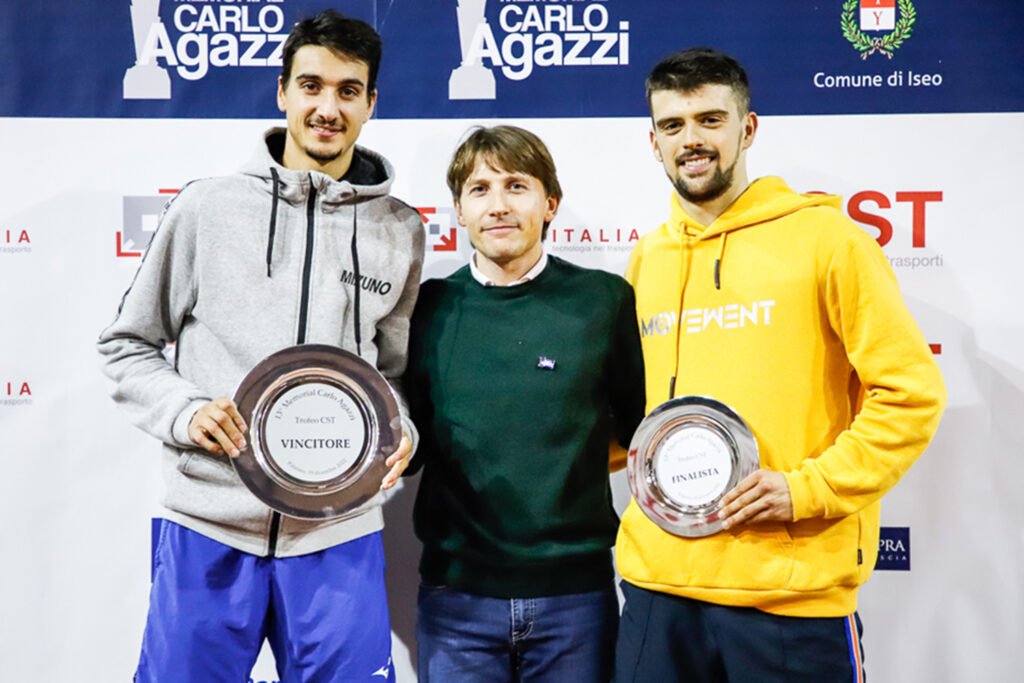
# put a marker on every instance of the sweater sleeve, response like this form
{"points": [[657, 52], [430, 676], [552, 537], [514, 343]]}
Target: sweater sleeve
{"points": [[626, 372], [417, 381], [145, 384], [902, 390]]}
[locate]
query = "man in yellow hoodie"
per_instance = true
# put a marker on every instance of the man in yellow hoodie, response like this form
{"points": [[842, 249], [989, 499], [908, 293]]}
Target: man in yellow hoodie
{"points": [[777, 305]]}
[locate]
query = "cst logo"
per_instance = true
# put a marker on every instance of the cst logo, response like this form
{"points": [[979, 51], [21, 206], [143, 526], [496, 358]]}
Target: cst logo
{"points": [[441, 224], [894, 548], [141, 213], [861, 205]]}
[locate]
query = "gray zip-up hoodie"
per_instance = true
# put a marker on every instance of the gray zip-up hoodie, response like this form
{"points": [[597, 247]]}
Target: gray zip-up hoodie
{"points": [[243, 266]]}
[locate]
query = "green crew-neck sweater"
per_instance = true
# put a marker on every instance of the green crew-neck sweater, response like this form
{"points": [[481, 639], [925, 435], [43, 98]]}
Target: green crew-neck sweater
{"points": [[516, 393]]}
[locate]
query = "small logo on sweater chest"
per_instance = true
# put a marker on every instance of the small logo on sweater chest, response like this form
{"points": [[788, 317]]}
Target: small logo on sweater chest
{"points": [[545, 363]]}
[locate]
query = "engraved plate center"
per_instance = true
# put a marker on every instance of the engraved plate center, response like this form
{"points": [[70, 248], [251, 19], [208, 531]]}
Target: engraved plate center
{"points": [[315, 432], [693, 466]]}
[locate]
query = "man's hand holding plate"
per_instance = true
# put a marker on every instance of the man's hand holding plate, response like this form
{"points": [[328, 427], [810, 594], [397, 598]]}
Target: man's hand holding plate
{"points": [[398, 462], [760, 497], [218, 427]]}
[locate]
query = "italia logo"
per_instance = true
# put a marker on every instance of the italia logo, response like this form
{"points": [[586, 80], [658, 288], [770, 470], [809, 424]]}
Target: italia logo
{"points": [[14, 237], [593, 235], [15, 389], [141, 213], [891, 22], [15, 393], [583, 33], [15, 241]]}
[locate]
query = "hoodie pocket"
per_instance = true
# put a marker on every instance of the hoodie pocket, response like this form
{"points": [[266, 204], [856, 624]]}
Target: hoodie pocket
{"points": [[203, 467], [185, 462]]}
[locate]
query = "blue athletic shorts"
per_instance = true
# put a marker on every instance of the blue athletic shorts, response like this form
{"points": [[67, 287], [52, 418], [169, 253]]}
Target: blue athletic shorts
{"points": [[325, 614]]}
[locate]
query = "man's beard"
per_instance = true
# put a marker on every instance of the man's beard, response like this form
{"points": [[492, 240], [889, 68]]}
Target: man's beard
{"points": [[325, 157], [322, 157], [713, 189]]}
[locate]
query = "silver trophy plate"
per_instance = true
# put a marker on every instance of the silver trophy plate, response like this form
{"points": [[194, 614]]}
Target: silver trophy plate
{"points": [[321, 423], [684, 457]]}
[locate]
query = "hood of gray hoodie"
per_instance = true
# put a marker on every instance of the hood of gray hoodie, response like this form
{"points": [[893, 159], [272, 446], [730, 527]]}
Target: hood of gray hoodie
{"points": [[370, 174]]}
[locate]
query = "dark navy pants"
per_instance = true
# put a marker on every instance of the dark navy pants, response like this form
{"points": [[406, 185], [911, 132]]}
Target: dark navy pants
{"points": [[325, 614], [463, 638], [666, 638]]}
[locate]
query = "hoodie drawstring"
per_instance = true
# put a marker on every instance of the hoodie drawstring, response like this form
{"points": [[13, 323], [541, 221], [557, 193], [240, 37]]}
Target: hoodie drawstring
{"points": [[273, 217], [355, 267], [718, 261], [684, 240]]}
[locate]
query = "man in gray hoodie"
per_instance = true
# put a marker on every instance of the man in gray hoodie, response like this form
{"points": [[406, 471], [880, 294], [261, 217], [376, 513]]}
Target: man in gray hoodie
{"points": [[304, 245]]}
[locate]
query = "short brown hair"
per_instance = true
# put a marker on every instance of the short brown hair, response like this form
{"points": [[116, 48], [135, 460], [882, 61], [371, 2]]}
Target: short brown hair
{"points": [[690, 70], [510, 149], [342, 35]]}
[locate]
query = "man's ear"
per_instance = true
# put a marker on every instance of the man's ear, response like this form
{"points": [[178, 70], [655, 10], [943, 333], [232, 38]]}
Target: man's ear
{"points": [[373, 104], [458, 213], [749, 129], [280, 93], [654, 146]]}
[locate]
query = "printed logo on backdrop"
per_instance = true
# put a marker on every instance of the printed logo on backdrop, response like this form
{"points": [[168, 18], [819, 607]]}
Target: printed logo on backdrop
{"points": [[442, 227], [532, 35], [877, 27], [885, 217], [141, 213], [575, 240], [878, 17], [191, 37], [894, 548], [15, 392], [15, 241]]}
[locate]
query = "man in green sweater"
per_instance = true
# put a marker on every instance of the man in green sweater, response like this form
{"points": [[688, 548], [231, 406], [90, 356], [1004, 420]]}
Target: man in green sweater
{"points": [[523, 369]]}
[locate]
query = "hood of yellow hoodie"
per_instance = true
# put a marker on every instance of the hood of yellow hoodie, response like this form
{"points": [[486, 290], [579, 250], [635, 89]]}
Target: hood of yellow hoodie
{"points": [[764, 199]]}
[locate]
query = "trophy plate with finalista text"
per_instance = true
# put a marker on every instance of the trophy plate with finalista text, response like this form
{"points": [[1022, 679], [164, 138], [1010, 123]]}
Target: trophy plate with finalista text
{"points": [[321, 423], [685, 456]]}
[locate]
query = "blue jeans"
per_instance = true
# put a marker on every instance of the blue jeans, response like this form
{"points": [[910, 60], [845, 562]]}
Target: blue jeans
{"points": [[463, 638]]}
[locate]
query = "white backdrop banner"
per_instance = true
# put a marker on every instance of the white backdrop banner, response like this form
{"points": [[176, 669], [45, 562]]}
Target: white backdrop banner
{"points": [[931, 175]]}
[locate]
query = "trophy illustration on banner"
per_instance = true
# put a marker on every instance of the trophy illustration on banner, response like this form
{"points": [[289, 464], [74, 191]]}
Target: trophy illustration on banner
{"points": [[471, 80], [145, 81], [684, 457]]}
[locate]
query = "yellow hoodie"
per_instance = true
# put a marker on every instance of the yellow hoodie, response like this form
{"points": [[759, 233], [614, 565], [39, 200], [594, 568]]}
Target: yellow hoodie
{"points": [[792, 316]]}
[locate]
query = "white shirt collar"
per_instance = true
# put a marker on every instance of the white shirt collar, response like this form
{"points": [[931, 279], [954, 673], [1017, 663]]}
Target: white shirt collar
{"points": [[531, 274]]}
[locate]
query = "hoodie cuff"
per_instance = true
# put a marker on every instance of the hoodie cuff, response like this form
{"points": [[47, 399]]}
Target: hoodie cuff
{"points": [[802, 495], [179, 432]]}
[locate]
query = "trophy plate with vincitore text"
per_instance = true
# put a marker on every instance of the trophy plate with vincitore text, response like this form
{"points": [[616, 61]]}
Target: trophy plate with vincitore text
{"points": [[684, 457], [321, 423]]}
